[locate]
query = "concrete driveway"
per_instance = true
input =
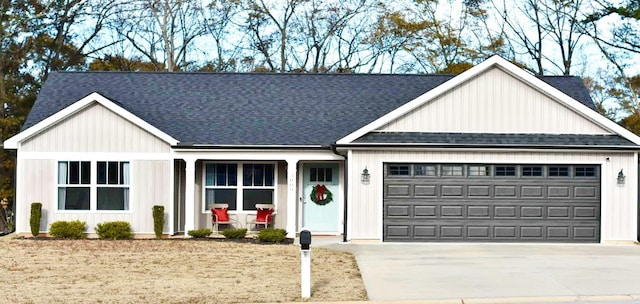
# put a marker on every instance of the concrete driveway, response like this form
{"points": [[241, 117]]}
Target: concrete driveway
{"points": [[418, 272]]}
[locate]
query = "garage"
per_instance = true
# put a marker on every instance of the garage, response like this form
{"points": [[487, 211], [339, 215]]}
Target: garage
{"points": [[430, 202]]}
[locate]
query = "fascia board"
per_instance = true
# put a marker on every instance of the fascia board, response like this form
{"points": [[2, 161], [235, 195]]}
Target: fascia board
{"points": [[13, 142]]}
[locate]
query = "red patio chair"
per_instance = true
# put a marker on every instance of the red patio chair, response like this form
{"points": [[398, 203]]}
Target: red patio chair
{"points": [[263, 216], [220, 216]]}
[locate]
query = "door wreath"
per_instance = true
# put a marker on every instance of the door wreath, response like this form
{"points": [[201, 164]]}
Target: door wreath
{"points": [[321, 195]]}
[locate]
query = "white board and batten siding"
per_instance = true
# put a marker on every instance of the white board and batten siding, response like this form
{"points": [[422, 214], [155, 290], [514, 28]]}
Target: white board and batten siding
{"points": [[494, 102], [619, 204], [94, 134]]}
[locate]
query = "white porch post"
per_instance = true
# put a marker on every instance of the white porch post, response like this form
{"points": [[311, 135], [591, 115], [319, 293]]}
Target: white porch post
{"points": [[292, 197], [189, 195]]}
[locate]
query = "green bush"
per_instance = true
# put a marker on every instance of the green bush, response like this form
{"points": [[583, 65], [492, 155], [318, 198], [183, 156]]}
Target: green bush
{"points": [[158, 220], [199, 233], [68, 229], [118, 230], [34, 220], [272, 235], [231, 233]]}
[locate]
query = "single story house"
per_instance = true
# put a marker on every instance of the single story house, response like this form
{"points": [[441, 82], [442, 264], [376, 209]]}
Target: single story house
{"points": [[494, 154]]}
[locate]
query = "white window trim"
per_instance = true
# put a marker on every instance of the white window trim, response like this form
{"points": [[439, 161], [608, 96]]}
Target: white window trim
{"points": [[93, 186], [239, 185]]}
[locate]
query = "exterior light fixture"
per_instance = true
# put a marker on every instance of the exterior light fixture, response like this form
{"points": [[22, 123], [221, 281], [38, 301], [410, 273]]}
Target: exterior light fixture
{"points": [[365, 177], [621, 178]]}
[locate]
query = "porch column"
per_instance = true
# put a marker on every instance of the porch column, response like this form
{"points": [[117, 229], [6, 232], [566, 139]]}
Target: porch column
{"points": [[189, 195], [292, 197]]}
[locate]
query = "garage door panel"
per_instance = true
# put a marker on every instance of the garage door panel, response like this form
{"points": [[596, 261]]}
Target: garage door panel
{"points": [[487, 208], [425, 211], [479, 191], [585, 192], [452, 190], [425, 191], [532, 191], [399, 211], [505, 191], [398, 191], [559, 212], [558, 192]]}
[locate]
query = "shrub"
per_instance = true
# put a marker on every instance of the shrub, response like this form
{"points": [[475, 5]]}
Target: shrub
{"points": [[158, 220], [231, 233], [34, 220], [118, 230], [68, 229], [272, 235], [199, 233]]}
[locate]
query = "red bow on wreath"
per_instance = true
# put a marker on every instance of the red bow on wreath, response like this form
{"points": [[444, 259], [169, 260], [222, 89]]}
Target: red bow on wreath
{"points": [[320, 189], [321, 195]]}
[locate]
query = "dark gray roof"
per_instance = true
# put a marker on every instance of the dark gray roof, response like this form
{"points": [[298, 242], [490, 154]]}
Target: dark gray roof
{"points": [[251, 109], [495, 140]]}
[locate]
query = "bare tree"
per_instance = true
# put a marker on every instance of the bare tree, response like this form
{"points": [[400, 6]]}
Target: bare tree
{"points": [[161, 30]]}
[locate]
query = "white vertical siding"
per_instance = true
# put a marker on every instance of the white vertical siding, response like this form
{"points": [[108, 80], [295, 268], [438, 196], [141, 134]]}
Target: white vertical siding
{"points": [[95, 129], [619, 204], [494, 102], [149, 186]]}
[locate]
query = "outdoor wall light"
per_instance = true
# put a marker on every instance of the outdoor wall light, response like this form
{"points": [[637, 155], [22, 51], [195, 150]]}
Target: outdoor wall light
{"points": [[365, 177], [621, 178]]}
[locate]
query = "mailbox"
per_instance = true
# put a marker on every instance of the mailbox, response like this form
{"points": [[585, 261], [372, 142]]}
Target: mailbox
{"points": [[305, 239]]}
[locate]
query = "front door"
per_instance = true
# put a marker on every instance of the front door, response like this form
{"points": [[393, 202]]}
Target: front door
{"points": [[320, 213]]}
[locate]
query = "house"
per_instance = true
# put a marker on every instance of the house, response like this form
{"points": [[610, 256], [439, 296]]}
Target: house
{"points": [[492, 155]]}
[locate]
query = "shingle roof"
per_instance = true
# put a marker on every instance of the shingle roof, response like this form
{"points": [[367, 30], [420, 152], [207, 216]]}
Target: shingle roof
{"points": [[251, 109], [496, 140]]}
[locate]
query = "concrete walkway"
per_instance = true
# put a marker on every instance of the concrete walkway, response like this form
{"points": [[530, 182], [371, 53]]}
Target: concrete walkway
{"points": [[511, 273]]}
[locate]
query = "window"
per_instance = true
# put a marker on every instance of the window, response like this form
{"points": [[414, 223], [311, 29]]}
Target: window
{"points": [[240, 185], [113, 185], [395, 170], [425, 170], [585, 172], [478, 170], [559, 171], [531, 171], [220, 185], [321, 175], [108, 188], [452, 170], [258, 185], [505, 171], [74, 185]]}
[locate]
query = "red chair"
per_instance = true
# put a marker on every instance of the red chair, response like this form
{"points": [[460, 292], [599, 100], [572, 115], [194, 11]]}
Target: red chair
{"points": [[220, 216], [263, 216]]}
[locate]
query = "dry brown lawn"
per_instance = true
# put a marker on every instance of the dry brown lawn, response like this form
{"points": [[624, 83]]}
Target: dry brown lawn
{"points": [[168, 271]]}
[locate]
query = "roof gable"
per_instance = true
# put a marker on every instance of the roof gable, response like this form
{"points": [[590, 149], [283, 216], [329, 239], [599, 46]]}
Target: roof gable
{"points": [[493, 102], [507, 67], [78, 106]]}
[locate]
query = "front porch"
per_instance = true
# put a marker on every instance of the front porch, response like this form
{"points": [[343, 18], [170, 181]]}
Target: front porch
{"points": [[243, 179]]}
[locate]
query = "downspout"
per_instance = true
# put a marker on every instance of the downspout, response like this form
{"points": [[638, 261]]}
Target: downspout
{"points": [[344, 190]]}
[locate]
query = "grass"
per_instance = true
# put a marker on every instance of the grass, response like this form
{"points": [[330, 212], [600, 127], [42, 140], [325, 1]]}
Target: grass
{"points": [[169, 271]]}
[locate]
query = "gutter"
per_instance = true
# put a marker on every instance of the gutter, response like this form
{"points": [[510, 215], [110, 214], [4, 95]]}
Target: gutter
{"points": [[490, 146], [345, 190]]}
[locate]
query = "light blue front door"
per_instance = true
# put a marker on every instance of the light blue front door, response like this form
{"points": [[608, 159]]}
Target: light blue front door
{"points": [[317, 217]]}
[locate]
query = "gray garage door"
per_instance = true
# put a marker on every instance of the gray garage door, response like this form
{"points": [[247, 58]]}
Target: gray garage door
{"points": [[491, 203]]}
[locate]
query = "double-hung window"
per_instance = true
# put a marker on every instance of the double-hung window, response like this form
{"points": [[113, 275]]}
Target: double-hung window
{"points": [[241, 185], [74, 185], [257, 185], [221, 185], [86, 185], [113, 185]]}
